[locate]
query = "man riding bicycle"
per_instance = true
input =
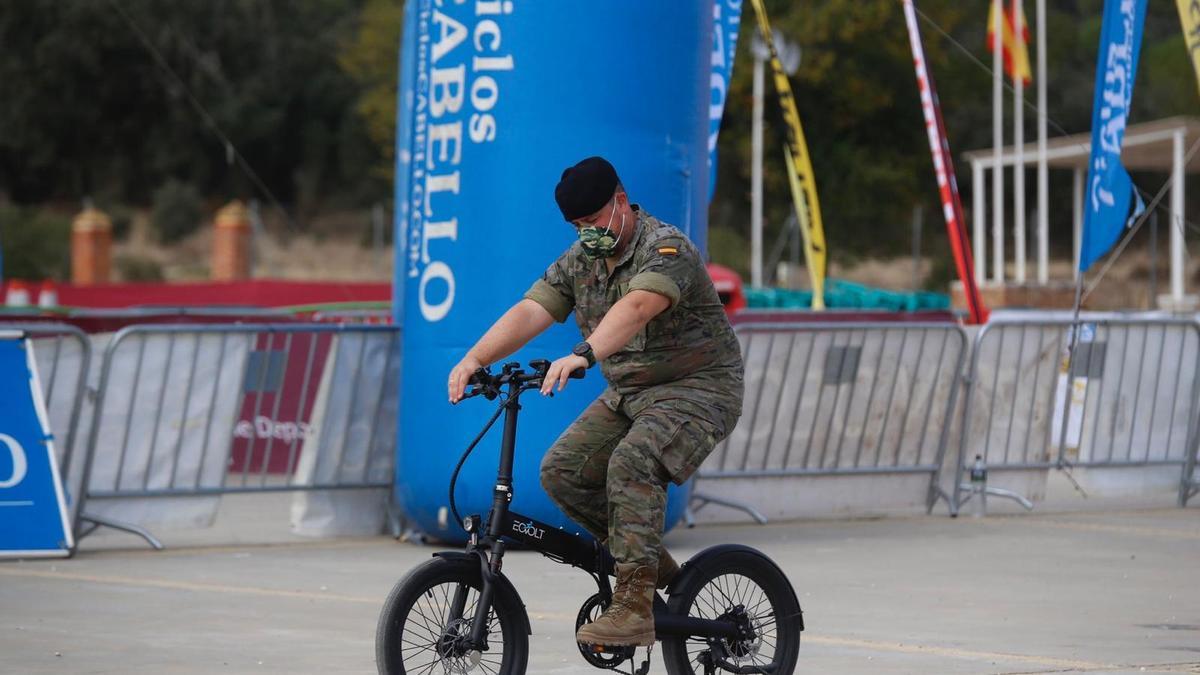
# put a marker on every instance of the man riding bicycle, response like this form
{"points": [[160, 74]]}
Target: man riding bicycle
{"points": [[651, 318]]}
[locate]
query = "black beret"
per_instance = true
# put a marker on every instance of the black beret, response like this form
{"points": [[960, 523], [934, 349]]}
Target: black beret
{"points": [[585, 188]]}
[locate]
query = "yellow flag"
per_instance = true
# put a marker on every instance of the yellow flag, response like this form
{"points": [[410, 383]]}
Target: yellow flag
{"points": [[1189, 16], [818, 281], [800, 171]]}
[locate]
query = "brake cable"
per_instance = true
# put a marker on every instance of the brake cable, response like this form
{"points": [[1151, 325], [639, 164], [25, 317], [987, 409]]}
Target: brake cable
{"points": [[463, 459]]}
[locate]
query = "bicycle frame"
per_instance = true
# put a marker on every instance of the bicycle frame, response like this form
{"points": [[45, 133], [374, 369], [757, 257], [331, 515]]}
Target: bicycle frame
{"points": [[554, 543]]}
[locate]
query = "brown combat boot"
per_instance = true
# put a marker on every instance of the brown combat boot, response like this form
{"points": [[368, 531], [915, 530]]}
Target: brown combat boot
{"points": [[629, 620], [667, 569]]}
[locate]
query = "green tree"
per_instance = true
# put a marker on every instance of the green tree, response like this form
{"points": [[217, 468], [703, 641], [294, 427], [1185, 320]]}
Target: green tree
{"points": [[117, 97], [857, 96], [369, 57], [34, 244]]}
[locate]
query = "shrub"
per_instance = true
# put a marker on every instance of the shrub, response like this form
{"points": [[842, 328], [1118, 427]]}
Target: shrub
{"points": [[137, 268], [177, 212], [35, 244]]}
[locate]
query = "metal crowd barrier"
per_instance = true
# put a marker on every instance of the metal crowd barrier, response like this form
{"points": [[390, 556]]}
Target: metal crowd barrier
{"points": [[63, 354], [842, 399], [1189, 484], [355, 316], [205, 410], [1130, 399]]}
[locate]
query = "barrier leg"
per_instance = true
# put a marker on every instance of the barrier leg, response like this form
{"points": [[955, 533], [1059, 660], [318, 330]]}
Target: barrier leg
{"points": [[98, 521], [689, 516], [1188, 490], [935, 493], [395, 519], [733, 504], [995, 491], [1188, 485]]}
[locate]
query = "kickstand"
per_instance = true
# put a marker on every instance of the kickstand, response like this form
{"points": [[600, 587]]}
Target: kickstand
{"points": [[645, 667]]}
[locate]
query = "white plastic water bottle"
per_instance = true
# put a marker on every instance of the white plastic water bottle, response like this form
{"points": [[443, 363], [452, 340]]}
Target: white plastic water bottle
{"points": [[979, 487]]}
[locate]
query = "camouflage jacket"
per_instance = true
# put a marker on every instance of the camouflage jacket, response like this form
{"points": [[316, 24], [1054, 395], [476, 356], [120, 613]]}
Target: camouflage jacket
{"points": [[688, 353]]}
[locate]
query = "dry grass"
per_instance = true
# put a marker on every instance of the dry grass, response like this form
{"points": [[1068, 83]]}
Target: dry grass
{"points": [[299, 257], [334, 256]]}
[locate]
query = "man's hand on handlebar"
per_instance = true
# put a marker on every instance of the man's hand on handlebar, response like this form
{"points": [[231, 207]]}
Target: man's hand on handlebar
{"points": [[460, 376], [560, 371]]}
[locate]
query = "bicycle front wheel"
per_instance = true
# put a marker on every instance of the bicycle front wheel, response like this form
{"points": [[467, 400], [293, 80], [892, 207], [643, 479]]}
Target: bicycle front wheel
{"points": [[417, 634]]}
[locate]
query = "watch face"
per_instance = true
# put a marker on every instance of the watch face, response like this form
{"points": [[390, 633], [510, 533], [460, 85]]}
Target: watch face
{"points": [[581, 349]]}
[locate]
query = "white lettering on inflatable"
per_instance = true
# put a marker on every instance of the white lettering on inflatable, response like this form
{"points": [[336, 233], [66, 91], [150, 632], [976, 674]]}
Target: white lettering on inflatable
{"points": [[492, 30], [445, 134], [436, 270], [19, 465], [484, 93], [446, 90], [440, 230], [452, 35], [449, 67], [483, 128]]}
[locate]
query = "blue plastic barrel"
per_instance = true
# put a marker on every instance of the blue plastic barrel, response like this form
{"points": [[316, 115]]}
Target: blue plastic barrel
{"points": [[497, 97]]}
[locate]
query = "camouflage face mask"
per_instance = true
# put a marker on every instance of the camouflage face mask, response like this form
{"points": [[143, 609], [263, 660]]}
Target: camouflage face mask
{"points": [[599, 242]]}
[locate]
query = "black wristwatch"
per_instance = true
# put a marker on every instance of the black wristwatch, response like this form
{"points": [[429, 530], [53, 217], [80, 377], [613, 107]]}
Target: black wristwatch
{"points": [[585, 350]]}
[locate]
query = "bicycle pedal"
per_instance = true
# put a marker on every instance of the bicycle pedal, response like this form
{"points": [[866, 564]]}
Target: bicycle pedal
{"points": [[617, 650]]}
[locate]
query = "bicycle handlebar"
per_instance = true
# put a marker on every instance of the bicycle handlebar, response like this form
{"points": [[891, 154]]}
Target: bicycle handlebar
{"points": [[484, 383]]}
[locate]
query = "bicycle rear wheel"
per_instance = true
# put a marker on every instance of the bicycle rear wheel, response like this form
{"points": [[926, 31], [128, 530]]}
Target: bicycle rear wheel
{"points": [[416, 634], [737, 585]]}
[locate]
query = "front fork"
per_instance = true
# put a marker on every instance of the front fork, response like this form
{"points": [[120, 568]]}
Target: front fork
{"points": [[489, 569]]}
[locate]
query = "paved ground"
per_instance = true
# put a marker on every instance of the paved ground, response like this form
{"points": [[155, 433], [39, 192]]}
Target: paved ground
{"points": [[1103, 591]]}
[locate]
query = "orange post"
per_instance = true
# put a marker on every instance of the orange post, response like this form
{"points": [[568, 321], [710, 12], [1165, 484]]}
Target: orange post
{"points": [[91, 248], [231, 243]]}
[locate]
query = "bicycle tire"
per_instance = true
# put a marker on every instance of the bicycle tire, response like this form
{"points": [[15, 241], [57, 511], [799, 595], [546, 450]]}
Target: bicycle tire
{"points": [[428, 589], [714, 587]]}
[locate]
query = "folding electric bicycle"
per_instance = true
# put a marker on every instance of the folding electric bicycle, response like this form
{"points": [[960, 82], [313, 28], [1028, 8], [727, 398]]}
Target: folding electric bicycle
{"points": [[730, 608]]}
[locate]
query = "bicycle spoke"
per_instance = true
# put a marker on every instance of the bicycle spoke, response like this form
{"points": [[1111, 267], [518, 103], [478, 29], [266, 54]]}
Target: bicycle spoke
{"points": [[418, 645], [426, 626]]}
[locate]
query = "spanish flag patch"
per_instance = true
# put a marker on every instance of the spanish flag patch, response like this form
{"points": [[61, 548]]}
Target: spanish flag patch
{"points": [[668, 250]]}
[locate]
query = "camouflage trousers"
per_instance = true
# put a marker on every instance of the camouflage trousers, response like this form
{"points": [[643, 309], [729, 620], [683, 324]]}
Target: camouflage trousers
{"points": [[609, 471]]}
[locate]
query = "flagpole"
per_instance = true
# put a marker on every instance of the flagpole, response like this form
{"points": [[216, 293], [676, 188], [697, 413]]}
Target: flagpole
{"points": [[1018, 142], [1043, 176], [997, 142], [1069, 392], [756, 165]]}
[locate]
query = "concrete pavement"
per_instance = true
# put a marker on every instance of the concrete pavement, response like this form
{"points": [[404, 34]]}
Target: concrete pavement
{"points": [[1100, 591]]}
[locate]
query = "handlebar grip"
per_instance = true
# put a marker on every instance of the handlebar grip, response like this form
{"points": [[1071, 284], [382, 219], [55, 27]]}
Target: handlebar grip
{"points": [[578, 374]]}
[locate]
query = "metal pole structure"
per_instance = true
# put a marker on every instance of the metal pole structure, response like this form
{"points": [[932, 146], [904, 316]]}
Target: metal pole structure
{"points": [[1153, 260], [1043, 176], [917, 216], [997, 143], [1077, 218], [1018, 149], [978, 208], [257, 235], [1176, 226], [377, 225], [756, 167]]}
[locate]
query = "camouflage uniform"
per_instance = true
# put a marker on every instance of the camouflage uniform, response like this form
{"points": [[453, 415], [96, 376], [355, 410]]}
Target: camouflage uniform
{"points": [[675, 390]]}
